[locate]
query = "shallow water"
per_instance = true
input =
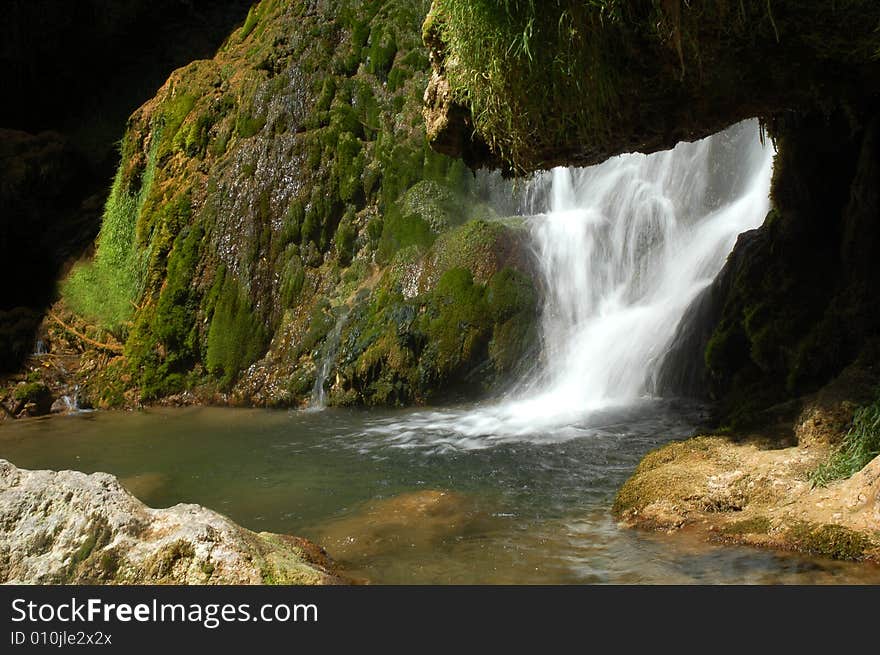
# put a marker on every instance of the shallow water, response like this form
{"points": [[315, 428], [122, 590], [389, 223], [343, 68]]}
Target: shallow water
{"points": [[400, 498]]}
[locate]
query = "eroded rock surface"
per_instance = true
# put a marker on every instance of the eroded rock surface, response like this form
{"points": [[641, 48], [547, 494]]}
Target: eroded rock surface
{"points": [[69, 527]]}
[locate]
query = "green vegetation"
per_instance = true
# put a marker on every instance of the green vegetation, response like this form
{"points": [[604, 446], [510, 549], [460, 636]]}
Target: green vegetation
{"points": [[450, 319], [829, 540], [170, 324], [236, 336], [107, 289], [516, 57], [756, 525], [31, 392], [250, 23], [860, 445], [257, 194], [569, 78], [402, 231]]}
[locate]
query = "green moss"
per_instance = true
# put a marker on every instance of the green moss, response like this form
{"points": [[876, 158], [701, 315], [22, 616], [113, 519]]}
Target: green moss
{"points": [[169, 122], [208, 568], [321, 321], [401, 231], [109, 564], [829, 540], [457, 323], [517, 57], [250, 23], [164, 345], [754, 525], [31, 392], [161, 565], [298, 158], [513, 305], [236, 337], [293, 277], [382, 50], [653, 480], [107, 289], [546, 79], [346, 234], [97, 536], [247, 126], [443, 206], [107, 388]]}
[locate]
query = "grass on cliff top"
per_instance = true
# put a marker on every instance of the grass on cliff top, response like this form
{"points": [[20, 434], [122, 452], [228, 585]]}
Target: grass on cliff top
{"points": [[540, 75], [517, 57], [860, 445]]}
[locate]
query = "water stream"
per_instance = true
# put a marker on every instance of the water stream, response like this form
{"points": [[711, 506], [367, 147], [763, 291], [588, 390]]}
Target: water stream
{"points": [[330, 349], [512, 491]]}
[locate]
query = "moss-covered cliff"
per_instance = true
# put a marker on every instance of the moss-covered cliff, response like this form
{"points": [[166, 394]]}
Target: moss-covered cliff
{"points": [[278, 218]]}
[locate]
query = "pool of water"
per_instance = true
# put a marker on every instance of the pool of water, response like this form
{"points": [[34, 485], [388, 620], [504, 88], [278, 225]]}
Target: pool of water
{"points": [[401, 497]]}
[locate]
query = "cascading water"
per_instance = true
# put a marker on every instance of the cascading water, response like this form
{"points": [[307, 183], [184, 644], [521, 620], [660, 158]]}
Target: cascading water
{"points": [[331, 346], [624, 249]]}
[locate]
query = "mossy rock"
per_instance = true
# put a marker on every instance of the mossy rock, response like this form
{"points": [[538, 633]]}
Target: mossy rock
{"points": [[829, 540], [455, 319]]}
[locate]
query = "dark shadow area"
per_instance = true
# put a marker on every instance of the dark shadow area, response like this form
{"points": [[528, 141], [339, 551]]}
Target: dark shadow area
{"points": [[73, 73]]}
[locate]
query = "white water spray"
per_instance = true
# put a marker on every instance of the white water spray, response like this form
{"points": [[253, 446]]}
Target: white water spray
{"points": [[624, 249]]}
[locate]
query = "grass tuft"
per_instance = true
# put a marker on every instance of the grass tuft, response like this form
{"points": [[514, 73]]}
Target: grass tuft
{"points": [[860, 445]]}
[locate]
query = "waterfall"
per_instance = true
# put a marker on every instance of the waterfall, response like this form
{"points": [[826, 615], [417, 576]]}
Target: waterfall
{"points": [[624, 249], [331, 347]]}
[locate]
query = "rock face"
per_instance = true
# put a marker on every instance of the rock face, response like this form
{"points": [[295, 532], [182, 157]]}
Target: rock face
{"points": [[795, 304], [67, 527]]}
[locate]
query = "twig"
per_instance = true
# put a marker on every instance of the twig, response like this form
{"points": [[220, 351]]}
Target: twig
{"points": [[97, 344]]}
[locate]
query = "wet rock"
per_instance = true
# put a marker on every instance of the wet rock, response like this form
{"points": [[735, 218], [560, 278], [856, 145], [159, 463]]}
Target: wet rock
{"points": [[34, 399], [61, 406], [753, 494], [67, 527]]}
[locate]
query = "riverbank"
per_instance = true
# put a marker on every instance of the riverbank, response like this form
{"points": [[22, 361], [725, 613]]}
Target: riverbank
{"points": [[759, 489]]}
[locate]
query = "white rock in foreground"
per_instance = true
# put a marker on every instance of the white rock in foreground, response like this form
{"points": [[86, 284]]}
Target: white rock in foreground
{"points": [[69, 527]]}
